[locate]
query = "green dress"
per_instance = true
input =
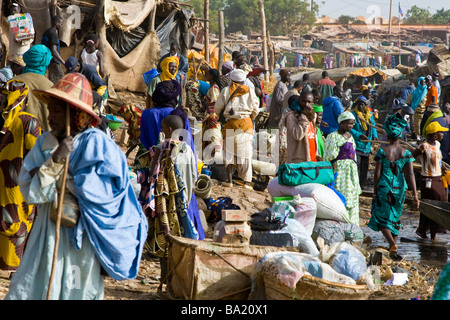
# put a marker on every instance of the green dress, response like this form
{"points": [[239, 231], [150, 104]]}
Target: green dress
{"points": [[442, 288], [347, 180], [387, 207]]}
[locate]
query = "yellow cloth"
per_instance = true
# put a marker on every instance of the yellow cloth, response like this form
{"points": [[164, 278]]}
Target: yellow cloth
{"points": [[20, 133], [365, 115], [165, 74], [237, 90]]}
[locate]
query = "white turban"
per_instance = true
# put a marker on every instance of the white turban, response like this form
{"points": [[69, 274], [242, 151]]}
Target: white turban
{"points": [[238, 75], [346, 115]]}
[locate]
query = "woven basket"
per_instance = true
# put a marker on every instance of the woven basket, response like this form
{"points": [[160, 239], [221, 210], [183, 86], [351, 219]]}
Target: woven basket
{"points": [[207, 270], [312, 288]]}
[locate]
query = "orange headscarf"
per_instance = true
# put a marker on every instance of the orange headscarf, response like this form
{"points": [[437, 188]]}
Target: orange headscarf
{"points": [[165, 73]]}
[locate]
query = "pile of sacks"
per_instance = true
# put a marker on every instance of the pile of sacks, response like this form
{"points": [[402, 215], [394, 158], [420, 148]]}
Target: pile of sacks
{"points": [[307, 212]]}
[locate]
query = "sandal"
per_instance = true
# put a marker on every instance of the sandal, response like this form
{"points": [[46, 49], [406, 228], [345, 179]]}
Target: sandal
{"points": [[227, 184], [248, 187]]}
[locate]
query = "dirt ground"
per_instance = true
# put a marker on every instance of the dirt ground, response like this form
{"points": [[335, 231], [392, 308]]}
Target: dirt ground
{"points": [[146, 286]]}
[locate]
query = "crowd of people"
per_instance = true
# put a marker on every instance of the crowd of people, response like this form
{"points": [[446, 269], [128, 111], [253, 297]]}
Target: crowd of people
{"points": [[53, 147]]}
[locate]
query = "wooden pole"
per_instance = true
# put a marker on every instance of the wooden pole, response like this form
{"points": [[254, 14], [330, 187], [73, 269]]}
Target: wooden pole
{"points": [[390, 18], [60, 208], [221, 40], [152, 20], [3, 46], [101, 31], [206, 26], [271, 50], [264, 41]]}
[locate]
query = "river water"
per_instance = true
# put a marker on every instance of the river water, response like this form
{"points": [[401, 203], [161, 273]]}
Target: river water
{"points": [[435, 254]]}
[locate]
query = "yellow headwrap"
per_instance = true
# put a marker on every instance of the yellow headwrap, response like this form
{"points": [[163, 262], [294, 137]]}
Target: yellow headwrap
{"points": [[165, 74], [15, 92]]}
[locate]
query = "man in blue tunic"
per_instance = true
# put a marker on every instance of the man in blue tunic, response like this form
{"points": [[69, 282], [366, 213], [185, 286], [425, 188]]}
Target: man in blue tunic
{"points": [[111, 228]]}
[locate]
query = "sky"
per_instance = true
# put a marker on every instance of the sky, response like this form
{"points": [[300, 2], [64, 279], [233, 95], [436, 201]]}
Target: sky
{"points": [[354, 8]]}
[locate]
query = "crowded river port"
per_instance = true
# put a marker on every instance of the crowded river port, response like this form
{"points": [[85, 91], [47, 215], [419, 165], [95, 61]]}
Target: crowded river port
{"points": [[305, 165]]}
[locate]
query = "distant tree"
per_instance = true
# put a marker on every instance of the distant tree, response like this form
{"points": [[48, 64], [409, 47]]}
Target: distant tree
{"points": [[417, 15], [214, 7], [441, 17], [282, 16], [345, 19]]}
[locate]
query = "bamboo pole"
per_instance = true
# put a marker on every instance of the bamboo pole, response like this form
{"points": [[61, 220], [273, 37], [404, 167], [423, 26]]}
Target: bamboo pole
{"points": [[264, 41], [60, 208], [206, 26], [101, 31], [221, 40], [3, 46]]}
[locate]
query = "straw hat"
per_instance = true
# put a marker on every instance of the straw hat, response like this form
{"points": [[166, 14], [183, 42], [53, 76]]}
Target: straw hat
{"points": [[73, 88], [17, 60]]}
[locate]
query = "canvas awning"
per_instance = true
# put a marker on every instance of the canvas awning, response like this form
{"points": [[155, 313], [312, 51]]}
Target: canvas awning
{"points": [[339, 74], [127, 15]]}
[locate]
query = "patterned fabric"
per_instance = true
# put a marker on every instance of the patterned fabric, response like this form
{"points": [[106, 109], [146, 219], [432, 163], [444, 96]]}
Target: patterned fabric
{"points": [[194, 98], [442, 288], [387, 207], [394, 126], [347, 181], [164, 201], [216, 205], [431, 160], [211, 98], [19, 135]]}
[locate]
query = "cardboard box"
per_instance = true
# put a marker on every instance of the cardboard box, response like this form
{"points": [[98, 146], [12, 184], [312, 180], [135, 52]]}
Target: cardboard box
{"points": [[234, 215], [232, 232]]}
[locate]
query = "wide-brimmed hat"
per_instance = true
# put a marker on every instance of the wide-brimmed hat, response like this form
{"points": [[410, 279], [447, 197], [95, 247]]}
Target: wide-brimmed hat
{"points": [[73, 88], [17, 60]]}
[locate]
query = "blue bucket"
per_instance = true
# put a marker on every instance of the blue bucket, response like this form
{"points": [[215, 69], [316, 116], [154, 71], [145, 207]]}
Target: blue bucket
{"points": [[149, 75]]}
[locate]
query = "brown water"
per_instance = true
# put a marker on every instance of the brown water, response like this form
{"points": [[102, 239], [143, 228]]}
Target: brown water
{"points": [[427, 253]]}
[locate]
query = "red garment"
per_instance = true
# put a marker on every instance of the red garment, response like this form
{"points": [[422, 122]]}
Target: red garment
{"points": [[326, 81], [311, 134]]}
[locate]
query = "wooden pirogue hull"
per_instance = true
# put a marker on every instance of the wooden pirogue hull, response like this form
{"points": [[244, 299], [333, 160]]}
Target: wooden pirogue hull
{"points": [[437, 211]]}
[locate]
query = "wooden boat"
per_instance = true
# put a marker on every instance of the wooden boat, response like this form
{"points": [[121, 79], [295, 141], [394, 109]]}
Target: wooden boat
{"points": [[437, 211]]}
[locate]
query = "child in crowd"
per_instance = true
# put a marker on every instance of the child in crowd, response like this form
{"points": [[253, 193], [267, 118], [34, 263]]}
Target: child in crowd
{"points": [[340, 151], [91, 55], [431, 184], [318, 109], [393, 175], [363, 130]]}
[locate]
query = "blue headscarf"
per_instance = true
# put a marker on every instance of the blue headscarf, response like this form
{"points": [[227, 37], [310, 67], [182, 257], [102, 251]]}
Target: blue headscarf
{"points": [[419, 93], [295, 106], [37, 59]]}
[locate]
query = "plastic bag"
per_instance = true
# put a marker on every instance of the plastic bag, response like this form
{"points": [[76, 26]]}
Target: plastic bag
{"points": [[329, 230], [301, 238], [347, 260]]}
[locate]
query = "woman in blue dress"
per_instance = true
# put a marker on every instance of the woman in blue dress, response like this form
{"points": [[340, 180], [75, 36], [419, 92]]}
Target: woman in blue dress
{"points": [[393, 176]]}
